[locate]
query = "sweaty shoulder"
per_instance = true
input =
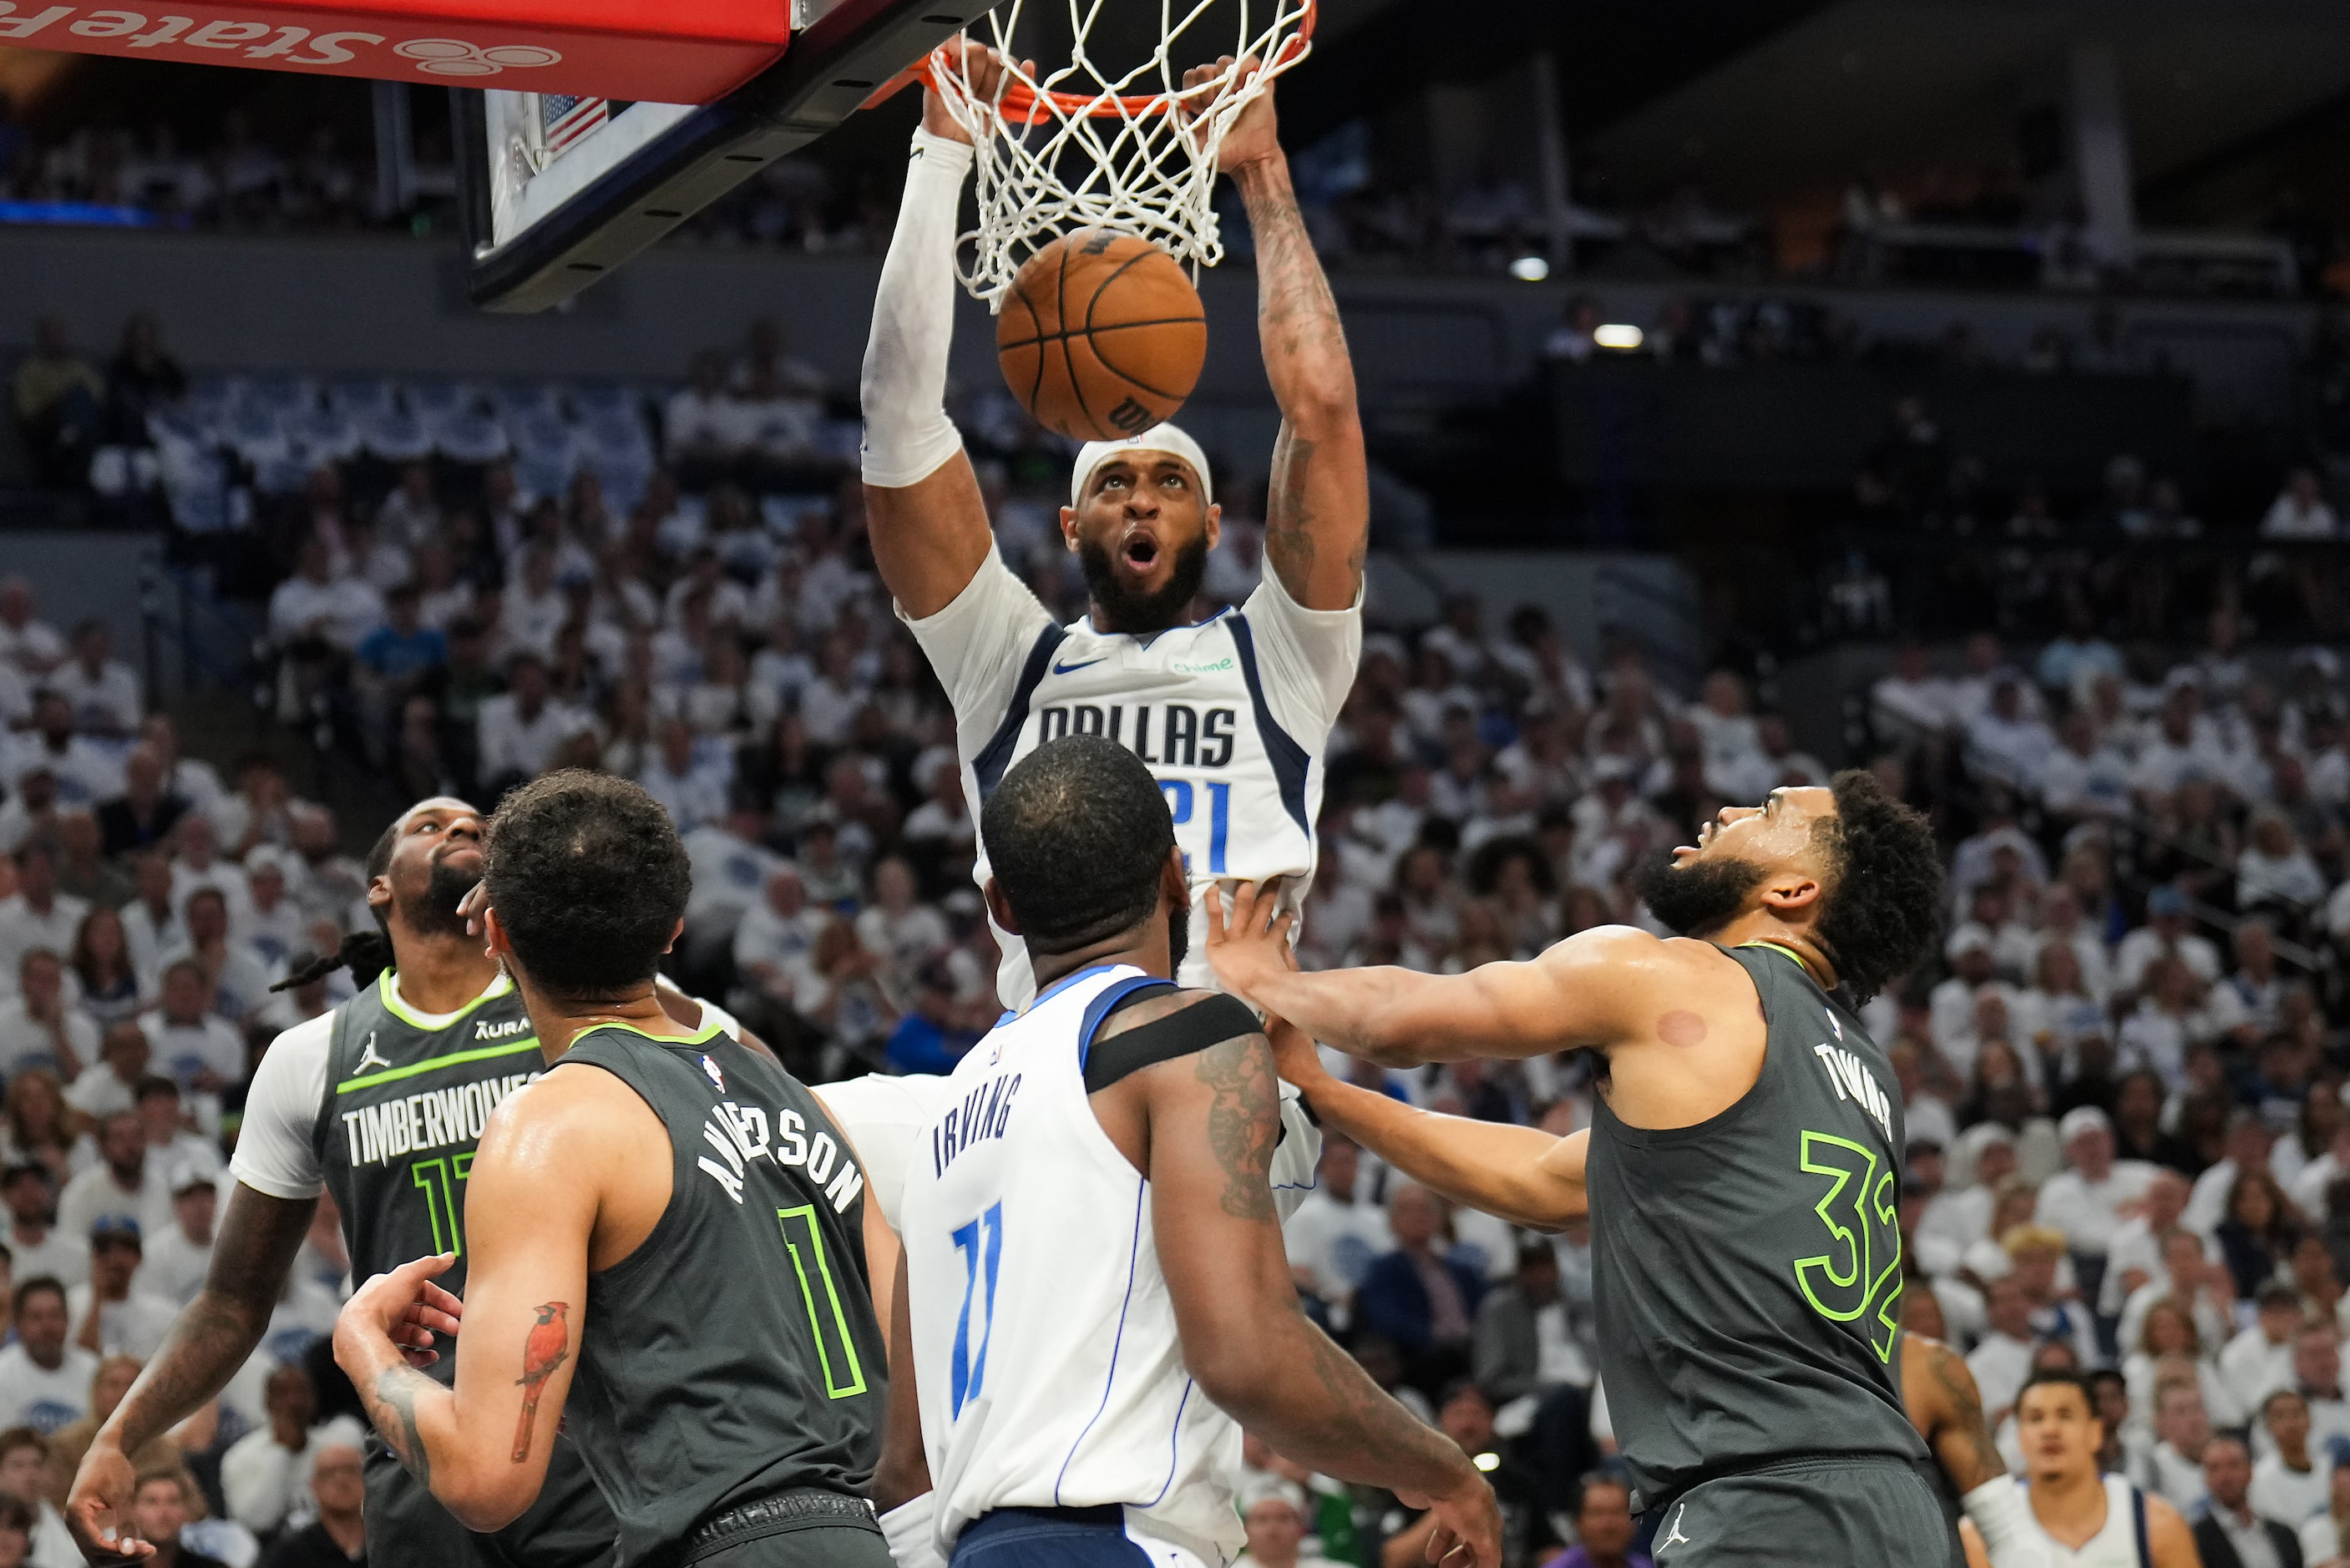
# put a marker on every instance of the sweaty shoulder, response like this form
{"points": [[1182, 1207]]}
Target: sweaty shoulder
{"points": [[573, 1107], [1628, 957]]}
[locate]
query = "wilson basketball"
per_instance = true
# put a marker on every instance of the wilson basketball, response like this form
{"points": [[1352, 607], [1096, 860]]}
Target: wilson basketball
{"points": [[1101, 335]]}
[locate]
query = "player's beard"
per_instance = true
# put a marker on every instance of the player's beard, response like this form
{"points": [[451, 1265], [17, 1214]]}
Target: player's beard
{"points": [[434, 912], [1699, 897], [1122, 609]]}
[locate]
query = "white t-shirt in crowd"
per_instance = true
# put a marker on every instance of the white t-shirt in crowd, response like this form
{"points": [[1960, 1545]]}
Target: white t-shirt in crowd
{"points": [[180, 1051], [174, 1267], [109, 699], [63, 1258], [348, 608], [24, 930], [93, 1195], [267, 1484], [44, 1398], [511, 741], [25, 1043], [2287, 1495], [2084, 1210], [134, 1326]]}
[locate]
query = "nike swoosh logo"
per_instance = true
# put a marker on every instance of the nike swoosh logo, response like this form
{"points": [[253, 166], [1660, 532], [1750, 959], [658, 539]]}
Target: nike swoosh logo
{"points": [[1061, 669]]}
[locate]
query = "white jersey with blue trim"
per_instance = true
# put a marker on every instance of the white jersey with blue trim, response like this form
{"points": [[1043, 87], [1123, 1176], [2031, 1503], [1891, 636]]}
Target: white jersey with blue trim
{"points": [[2122, 1543], [1232, 716], [1045, 1350]]}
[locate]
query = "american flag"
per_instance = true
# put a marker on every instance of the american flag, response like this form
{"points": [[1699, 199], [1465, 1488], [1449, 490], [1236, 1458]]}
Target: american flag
{"points": [[566, 119]]}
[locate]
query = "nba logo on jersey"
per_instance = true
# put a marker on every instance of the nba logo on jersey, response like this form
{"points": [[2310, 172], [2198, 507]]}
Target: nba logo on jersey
{"points": [[710, 1071]]}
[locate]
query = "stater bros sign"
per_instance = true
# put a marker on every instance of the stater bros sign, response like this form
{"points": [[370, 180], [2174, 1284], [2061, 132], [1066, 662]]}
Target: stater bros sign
{"points": [[683, 53]]}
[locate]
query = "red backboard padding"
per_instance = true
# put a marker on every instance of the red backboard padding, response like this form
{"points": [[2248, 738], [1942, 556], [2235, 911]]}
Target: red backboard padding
{"points": [[680, 51]]}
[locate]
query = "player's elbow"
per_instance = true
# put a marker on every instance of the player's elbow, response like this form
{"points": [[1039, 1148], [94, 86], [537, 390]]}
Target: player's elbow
{"points": [[1233, 1363], [485, 1498], [1325, 409]]}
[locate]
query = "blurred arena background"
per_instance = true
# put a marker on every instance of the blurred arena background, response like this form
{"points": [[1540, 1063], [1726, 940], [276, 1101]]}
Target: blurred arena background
{"points": [[1954, 389]]}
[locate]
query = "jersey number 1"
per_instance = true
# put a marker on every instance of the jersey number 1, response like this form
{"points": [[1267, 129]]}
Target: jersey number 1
{"points": [[1220, 815], [843, 1375], [439, 1178], [981, 1242]]}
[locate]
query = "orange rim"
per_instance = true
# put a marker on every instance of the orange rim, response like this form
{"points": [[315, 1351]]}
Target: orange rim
{"points": [[1022, 104]]}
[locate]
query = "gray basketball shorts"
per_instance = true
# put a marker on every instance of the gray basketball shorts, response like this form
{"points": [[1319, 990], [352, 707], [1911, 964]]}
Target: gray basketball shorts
{"points": [[1817, 1512]]}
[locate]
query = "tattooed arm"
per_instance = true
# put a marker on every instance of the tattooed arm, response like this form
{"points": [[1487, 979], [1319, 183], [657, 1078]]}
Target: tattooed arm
{"points": [[1202, 1128], [1317, 509], [212, 1337], [1946, 1410], [533, 1203]]}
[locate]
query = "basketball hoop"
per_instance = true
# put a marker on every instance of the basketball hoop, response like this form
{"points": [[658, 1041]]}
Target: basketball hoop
{"points": [[1077, 146]]}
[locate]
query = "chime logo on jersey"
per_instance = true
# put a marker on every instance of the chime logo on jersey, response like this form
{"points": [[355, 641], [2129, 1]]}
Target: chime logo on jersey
{"points": [[740, 1135], [433, 1119], [1853, 1081]]}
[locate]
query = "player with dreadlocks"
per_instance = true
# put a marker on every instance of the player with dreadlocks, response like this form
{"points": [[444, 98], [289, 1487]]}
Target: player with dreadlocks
{"points": [[380, 1100]]}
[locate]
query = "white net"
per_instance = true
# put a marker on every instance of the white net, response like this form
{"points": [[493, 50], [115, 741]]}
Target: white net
{"points": [[1088, 144]]}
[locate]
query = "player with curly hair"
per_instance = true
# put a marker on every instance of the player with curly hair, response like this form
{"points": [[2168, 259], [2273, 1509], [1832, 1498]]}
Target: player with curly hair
{"points": [[1741, 1173]]}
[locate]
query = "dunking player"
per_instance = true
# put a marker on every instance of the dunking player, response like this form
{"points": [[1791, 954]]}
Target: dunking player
{"points": [[360, 1100], [1232, 714], [1093, 1262], [1741, 1167], [666, 1237], [2085, 1519]]}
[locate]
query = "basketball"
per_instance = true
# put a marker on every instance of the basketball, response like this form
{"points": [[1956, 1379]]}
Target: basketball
{"points": [[1101, 335]]}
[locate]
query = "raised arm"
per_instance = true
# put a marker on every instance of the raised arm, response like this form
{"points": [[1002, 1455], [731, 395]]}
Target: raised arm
{"points": [[481, 1446], [922, 506], [213, 1335], [1210, 1122], [1519, 1174], [1595, 989], [1318, 515]]}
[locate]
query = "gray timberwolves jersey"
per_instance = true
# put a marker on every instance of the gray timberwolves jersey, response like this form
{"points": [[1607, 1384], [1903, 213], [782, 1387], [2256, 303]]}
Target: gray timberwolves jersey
{"points": [[404, 1107], [1746, 1272]]}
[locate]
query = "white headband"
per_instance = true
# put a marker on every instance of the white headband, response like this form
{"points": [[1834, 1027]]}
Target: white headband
{"points": [[1159, 438]]}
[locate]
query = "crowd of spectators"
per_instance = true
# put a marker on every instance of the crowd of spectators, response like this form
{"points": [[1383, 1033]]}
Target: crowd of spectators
{"points": [[148, 907]]}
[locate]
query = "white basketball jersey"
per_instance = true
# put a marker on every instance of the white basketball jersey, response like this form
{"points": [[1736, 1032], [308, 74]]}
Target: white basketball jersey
{"points": [[1045, 1344], [2120, 1544], [1191, 703]]}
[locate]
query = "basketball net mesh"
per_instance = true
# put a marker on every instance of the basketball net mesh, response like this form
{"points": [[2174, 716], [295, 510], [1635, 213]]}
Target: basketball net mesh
{"points": [[1078, 147]]}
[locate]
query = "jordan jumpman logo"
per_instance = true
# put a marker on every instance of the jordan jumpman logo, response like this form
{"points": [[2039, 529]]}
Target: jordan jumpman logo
{"points": [[370, 1057], [1677, 1537]]}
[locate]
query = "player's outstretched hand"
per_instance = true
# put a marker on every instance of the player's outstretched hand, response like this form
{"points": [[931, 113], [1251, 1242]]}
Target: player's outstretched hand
{"points": [[97, 1514], [1252, 943], [982, 67], [404, 1306], [1468, 1531], [1255, 134]]}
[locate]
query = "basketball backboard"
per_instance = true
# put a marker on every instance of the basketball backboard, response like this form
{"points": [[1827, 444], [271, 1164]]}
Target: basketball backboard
{"points": [[559, 190]]}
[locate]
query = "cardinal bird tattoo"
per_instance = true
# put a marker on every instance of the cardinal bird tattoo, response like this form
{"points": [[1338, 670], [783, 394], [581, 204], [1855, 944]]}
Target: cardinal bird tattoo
{"points": [[543, 1350]]}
